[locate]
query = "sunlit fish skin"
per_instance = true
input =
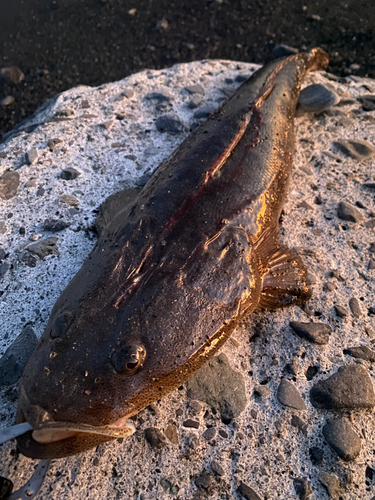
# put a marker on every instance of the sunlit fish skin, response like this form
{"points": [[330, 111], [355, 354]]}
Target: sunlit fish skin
{"points": [[173, 272]]}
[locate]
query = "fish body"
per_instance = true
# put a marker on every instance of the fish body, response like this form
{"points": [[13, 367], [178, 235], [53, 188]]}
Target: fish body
{"points": [[173, 272]]}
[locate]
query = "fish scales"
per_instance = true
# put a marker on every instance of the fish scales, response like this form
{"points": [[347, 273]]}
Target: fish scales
{"points": [[173, 272]]}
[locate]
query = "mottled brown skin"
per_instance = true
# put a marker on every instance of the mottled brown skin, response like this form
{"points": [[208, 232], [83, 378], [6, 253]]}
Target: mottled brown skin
{"points": [[175, 270]]}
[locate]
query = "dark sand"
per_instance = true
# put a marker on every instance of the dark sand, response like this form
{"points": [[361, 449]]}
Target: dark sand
{"points": [[95, 41]]}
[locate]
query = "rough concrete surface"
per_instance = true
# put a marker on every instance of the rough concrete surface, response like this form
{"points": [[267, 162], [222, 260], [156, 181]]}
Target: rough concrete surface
{"points": [[112, 141]]}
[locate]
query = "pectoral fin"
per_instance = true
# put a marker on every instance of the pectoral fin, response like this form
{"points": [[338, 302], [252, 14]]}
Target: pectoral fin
{"points": [[285, 282]]}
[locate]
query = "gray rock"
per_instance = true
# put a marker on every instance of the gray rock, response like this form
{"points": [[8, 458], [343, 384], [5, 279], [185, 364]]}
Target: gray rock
{"points": [[128, 92], [171, 433], [32, 156], [69, 199], [169, 487], [155, 438], [7, 101], [69, 174], [209, 433], [55, 225], [368, 102], [195, 102], [195, 89], [205, 482], [247, 492], [288, 395], [369, 185], [302, 487], [342, 439], [355, 307], [316, 455], [282, 50], [52, 143], [9, 183], [191, 423], [3, 254], [29, 259], [170, 124], [361, 352], [262, 391], [108, 125], [4, 268], [349, 388], [218, 385], [317, 333], [151, 151], [241, 78], [316, 98], [331, 484], [346, 211], [161, 96], [204, 112], [45, 247], [16, 356], [358, 150], [3, 226], [217, 468], [299, 424], [341, 312], [12, 74]]}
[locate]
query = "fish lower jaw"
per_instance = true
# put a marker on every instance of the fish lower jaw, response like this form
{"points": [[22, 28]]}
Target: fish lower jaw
{"points": [[57, 431]]}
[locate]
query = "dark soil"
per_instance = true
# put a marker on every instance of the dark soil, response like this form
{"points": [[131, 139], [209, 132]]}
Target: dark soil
{"points": [[95, 41]]}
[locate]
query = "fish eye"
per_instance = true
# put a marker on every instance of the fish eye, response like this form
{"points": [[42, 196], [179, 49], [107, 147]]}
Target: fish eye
{"points": [[128, 359]]}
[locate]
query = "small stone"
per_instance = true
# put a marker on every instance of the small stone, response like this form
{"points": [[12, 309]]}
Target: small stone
{"points": [[32, 156], [368, 102], [52, 143], [4, 268], [349, 388], [316, 455], [162, 24], [316, 98], [302, 487], [247, 492], [342, 439], [3, 254], [117, 145], [204, 481], [128, 92], [288, 395], [172, 434], [195, 102], [355, 307], [346, 211], [151, 151], [108, 125], [217, 468], [40, 191], [3, 226], [69, 199], [369, 185], [341, 312], [155, 438], [7, 101], [29, 260], [55, 225], [223, 434], [329, 287], [142, 181], [195, 406], [85, 104], [191, 423], [262, 391], [358, 150], [161, 96], [69, 174], [170, 124], [209, 433], [361, 352], [311, 372], [192, 441], [299, 424], [169, 487], [9, 183], [12, 74], [317, 333], [331, 484], [282, 50], [204, 112], [15, 358], [195, 89], [45, 247]]}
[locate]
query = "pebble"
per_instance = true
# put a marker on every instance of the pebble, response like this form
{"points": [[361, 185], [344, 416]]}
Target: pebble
{"points": [[32, 156], [369, 185], [195, 102], [218, 385], [52, 143], [172, 434], [170, 124], [316, 98], [12, 74], [346, 211], [247, 492], [169, 487], [217, 468], [161, 96], [209, 433], [316, 333], [241, 78], [45, 247], [117, 145], [331, 484], [341, 437], [302, 487], [7, 101], [108, 125], [191, 423], [329, 287], [299, 424], [368, 102], [355, 307], [4, 268], [69, 174], [29, 260], [155, 438], [361, 352], [262, 391], [311, 372], [9, 183], [195, 89], [204, 112], [349, 388], [151, 151], [282, 50], [69, 199], [14, 360], [316, 455], [341, 312], [288, 395], [55, 225], [128, 92], [358, 150], [204, 481], [3, 226]]}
